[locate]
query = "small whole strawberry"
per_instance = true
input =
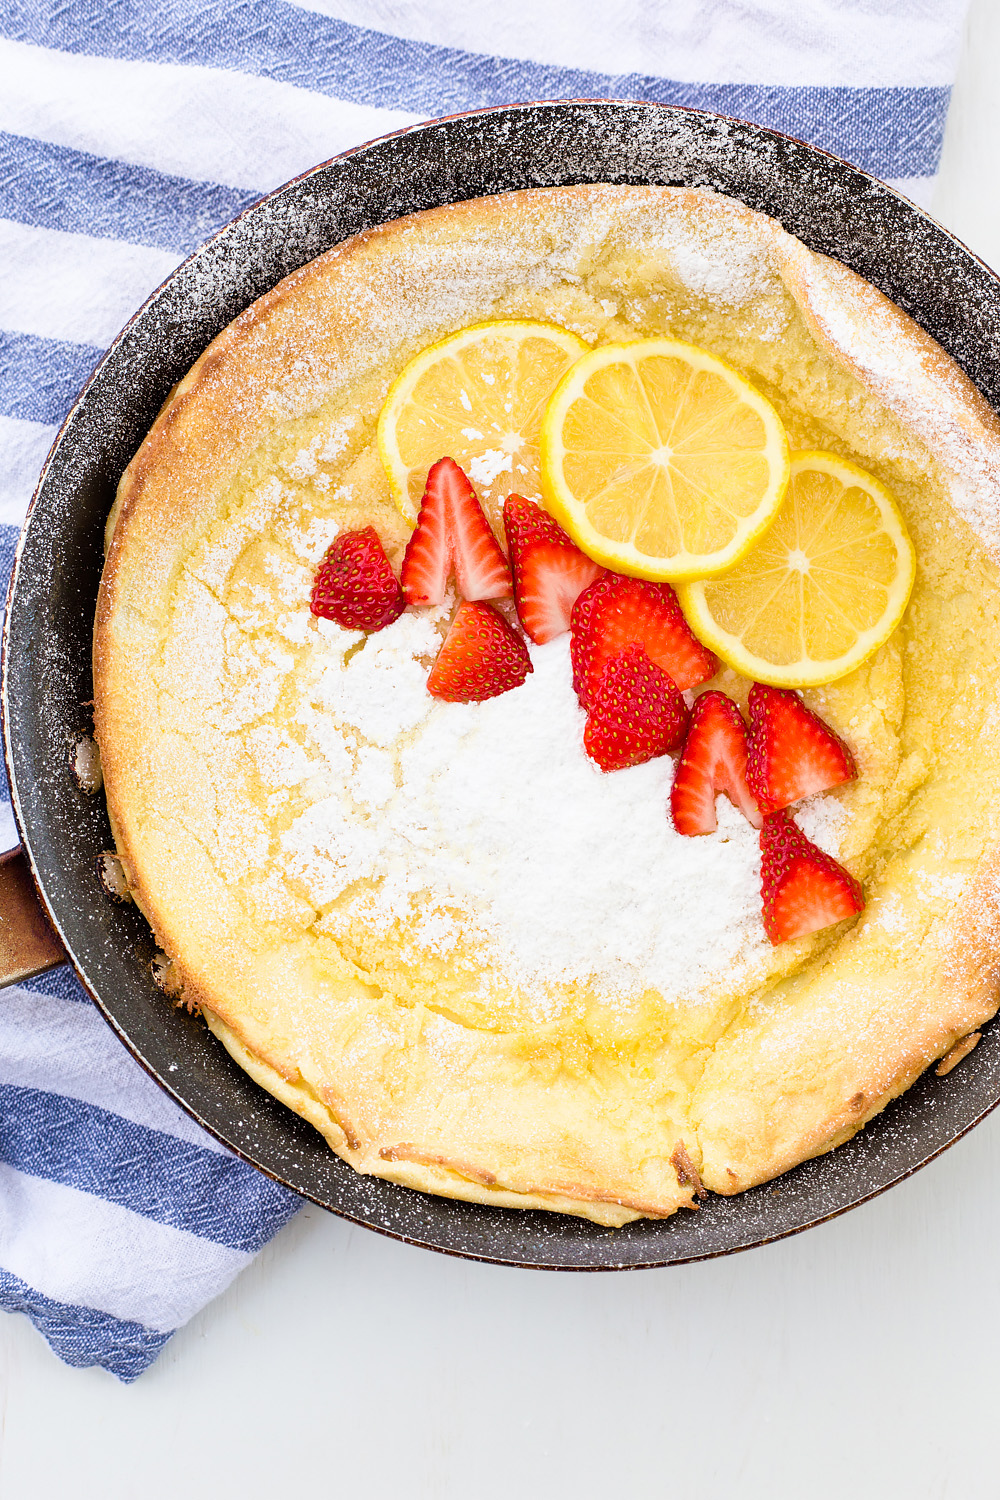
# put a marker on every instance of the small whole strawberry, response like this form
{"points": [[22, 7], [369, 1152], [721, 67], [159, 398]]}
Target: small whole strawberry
{"points": [[355, 585], [480, 657], [637, 713], [791, 753], [714, 759], [803, 890], [617, 610]]}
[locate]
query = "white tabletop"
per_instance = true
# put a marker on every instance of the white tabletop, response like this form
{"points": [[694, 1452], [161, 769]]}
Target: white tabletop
{"points": [[855, 1360]]}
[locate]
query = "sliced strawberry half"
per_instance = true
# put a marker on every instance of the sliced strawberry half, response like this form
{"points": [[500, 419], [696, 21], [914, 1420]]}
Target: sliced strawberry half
{"points": [[637, 713], [355, 584], [617, 610], [714, 759], [527, 523], [803, 889], [550, 572], [480, 657], [792, 754], [452, 535], [548, 580]]}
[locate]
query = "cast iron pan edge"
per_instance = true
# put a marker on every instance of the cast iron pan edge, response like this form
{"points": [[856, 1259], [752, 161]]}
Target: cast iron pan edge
{"points": [[834, 208]]}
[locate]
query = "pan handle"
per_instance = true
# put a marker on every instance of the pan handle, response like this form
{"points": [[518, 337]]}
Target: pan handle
{"points": [[28, 941]]}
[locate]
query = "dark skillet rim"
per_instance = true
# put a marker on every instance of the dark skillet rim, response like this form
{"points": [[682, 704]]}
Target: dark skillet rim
{"points": [[108, 1013]]}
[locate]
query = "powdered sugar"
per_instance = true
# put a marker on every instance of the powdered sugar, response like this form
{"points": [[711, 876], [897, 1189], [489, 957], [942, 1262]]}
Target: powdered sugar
{"points": [[383, 689], [822, 820], [486, 466], [930, 394], [486, 825], [726, 273]]}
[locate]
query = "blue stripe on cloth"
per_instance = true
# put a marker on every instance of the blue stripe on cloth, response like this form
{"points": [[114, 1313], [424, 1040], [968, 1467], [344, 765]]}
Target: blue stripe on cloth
{"points": [[55, 187], [41, 378], [61, 982], [218, 1198], [8, 546], [893, 132], [82, 1336]]}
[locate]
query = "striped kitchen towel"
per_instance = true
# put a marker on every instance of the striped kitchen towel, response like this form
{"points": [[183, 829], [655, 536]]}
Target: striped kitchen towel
{"points": [[129, 131], [119, 1216]]}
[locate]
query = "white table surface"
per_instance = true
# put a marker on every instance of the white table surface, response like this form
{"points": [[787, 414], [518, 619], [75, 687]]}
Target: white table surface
{"points": [[859, 1359]]}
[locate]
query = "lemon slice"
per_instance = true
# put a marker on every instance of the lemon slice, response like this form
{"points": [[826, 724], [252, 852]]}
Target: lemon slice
{"points": [[477, 397], [660, 460], [821, 590]]}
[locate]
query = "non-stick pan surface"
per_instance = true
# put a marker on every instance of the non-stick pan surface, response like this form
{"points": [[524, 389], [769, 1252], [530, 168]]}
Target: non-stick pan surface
{"points": [[47, 684]]}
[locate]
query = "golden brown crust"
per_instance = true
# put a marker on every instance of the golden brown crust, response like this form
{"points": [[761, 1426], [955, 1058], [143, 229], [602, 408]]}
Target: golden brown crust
{"points": [[960, 1051], [687, 1172], [346, 322]]}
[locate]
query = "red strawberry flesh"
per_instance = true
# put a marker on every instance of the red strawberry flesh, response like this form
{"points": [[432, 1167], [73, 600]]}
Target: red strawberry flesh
{"points": [[792, 754], [452, 535], [637, 713], [714, 760], [550, 572], [803, 889], [480, 657], [548, 580], [526, 523], [617, 610], [355, 585]]}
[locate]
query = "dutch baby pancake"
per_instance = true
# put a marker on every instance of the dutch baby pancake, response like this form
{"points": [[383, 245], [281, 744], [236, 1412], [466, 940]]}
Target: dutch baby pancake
{"points": [[439, 926]]}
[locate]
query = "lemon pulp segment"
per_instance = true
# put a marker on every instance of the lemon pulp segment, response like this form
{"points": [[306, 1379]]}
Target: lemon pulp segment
{"points": [[822, 588], [661, 460], [477, 397]]}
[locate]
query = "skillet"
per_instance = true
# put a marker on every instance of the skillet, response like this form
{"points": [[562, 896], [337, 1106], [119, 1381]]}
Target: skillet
{"points": [[835, 209]]}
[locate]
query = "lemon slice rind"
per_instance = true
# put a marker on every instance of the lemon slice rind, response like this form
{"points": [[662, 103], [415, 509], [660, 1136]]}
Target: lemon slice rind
{"points": [[625, 557], [398, 470], [807, 672]]}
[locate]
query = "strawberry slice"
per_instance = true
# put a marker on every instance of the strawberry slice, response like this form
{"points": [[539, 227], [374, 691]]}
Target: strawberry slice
{"points": [[355, 584], [714, 759], [792, 754], [452, 535], [480, 657], [617, 610], [550, 571], [637, 713], [548, 580], [526, 523], [803, 889]]}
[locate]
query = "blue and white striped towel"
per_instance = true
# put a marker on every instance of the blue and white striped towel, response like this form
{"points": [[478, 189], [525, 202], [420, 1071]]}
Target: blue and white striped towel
{"points": [[129, 131]]}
